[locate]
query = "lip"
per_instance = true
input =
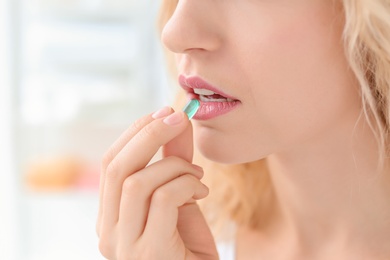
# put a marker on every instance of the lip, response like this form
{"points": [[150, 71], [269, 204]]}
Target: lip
{"points": [[207, 110], [189, 83]]}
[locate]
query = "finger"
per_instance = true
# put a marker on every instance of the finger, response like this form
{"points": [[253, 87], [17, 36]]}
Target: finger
{"points": [[118, 146], [138, 189], [163, 213], [191, 226], [181, 146], [135, 156]]}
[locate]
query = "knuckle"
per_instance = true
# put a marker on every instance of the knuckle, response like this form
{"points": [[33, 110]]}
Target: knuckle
{"points": [[176, 160], [133, 185], [124, 255], [162, 197], [190, 181], [137, 124], [107, 158], [150, 131], [179, 163], [132, 255], [126, 251], [106, 248], [190, 178], [145, 251], [112, 169]]}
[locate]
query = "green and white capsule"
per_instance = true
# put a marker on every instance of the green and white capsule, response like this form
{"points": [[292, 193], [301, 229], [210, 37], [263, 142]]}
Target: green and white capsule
{"points": [[191, 108]]}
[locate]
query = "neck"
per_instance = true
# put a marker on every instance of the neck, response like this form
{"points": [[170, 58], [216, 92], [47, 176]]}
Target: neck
{"points": [[323, 193]]}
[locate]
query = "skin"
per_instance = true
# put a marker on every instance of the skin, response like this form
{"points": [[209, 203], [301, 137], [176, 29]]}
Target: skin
{"points": [[149, 212], [300, 109]]}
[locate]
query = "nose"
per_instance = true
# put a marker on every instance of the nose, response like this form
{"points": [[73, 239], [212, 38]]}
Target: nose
{"points": [[193, 26]]}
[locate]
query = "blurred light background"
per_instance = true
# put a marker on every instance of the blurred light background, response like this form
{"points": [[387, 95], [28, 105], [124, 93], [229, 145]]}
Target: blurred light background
{"points": [[73, 75]]}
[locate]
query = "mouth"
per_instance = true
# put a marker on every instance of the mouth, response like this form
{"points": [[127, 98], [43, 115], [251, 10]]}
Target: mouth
{"points": [[213, 101], [203, 91], [206, 95]]}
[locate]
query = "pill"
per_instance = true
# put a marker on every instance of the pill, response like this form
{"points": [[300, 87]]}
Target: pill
{"points": [[191, 108]]}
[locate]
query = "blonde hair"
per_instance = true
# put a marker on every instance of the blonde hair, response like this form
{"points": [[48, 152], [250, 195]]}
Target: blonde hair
{"points": [[239, 195]]}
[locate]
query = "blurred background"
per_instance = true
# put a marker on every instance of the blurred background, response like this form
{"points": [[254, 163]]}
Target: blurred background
{"points": [[73, 75]]}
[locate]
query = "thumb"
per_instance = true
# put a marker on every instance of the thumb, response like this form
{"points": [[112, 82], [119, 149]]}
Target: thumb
{"points": [[181, 146]]}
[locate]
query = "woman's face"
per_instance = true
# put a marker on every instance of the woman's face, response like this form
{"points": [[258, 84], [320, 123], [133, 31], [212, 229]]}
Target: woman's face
{"points": [[282, 59]]}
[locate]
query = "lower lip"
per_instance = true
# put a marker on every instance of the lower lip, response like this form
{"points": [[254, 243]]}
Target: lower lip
{"points": [[210, 110]]}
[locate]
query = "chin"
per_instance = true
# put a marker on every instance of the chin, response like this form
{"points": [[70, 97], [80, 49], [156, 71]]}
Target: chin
{"points": [[226, 153], [217, 156], [214, 146], [227, 148]]}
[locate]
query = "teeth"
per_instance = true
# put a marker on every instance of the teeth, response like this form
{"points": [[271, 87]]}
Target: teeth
{"points": [[208, 99], [202, 91]]}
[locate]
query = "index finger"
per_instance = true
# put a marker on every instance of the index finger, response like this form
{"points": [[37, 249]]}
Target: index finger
{"points": [[135, 156], [118, 146], [130, 133]]}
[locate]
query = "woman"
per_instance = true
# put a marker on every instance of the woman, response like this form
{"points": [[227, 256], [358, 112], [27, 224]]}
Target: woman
{"points": [[294, 125]]}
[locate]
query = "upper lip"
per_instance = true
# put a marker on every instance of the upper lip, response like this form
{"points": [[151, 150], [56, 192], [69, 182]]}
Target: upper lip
{"points": [[190, 83]]}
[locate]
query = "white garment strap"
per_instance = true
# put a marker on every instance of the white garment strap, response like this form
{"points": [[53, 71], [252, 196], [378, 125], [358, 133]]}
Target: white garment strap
{"points": [[226, 250]]}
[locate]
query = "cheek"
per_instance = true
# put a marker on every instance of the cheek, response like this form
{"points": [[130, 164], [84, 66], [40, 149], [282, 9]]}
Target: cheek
{"points": [[305, 87], [298, 87]]}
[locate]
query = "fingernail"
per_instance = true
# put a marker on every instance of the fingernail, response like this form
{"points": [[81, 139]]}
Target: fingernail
{"points": [[200, 171], [197, 167], [174, 119], [161, 113], [207, 190]]}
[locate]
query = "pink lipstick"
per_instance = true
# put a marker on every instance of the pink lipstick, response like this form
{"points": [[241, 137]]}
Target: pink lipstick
{"points": [[213, 101]]}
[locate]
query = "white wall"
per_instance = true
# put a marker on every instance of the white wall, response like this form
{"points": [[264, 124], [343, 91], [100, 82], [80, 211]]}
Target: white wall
{"points": [[60, 225], [8, 191]]}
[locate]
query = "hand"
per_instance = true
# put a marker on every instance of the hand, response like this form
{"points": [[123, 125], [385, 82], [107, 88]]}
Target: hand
{"points": [[149, 212]]}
